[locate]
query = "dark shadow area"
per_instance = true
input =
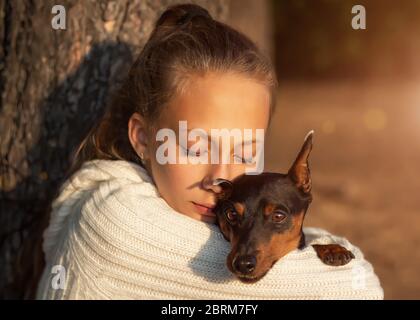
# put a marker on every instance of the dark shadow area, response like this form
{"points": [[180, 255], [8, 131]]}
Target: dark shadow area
{"points": [[315, 40], [66, 119]]}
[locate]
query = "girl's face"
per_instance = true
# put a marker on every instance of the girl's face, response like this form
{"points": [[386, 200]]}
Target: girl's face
{"points": [[214, 101]]}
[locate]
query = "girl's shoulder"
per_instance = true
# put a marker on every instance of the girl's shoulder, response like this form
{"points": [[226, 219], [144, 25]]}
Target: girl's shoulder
{"points": [[98, 198]]}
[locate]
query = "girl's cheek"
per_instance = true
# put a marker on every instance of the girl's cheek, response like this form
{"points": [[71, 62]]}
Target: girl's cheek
{"points": [[237, 170], [184, 175], [187, 175]]}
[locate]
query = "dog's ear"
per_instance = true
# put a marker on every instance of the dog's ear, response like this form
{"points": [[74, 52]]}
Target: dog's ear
{"points": [[299, 173], [226, 188]]}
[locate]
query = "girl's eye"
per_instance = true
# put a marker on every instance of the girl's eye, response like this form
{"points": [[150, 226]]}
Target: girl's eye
{"points": [[195, 154], [278, 217], [243, 160], [231, 215], [192, 154]]}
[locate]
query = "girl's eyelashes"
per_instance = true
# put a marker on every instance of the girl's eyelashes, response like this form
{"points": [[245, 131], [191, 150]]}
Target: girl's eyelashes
{"points": [[188, 152], [196, 154], [244, 160]]}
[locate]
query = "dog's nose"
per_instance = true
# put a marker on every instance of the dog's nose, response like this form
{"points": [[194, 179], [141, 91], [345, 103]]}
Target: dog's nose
{"points": [[245, 264]]}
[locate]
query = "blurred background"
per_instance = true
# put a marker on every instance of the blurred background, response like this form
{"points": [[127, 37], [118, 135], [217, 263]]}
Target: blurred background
{"points": [[358, 89]]}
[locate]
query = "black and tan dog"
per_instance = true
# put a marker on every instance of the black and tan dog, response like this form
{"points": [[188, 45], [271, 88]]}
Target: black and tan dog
{"points": [[262, 216]]}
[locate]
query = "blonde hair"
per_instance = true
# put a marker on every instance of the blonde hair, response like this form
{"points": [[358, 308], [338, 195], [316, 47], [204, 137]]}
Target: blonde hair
{"points": [[186, 40]]}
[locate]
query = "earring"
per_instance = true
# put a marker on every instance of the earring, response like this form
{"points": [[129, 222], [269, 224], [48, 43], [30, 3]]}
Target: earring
{"points": [[142, 158]]}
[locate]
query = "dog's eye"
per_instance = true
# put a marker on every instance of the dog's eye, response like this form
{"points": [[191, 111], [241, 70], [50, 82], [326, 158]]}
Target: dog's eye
{"points": [[278, 216], [231, 214]]}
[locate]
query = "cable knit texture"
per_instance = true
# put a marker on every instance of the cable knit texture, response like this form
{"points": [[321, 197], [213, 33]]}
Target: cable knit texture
{"points": [[118, 239]]}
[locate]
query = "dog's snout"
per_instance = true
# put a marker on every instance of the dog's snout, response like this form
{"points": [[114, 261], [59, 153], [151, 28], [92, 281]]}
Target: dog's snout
{"points": [[245, 264]]}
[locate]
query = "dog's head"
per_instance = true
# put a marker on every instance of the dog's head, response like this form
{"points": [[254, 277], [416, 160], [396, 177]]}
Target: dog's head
{"points": [[262, 216]]}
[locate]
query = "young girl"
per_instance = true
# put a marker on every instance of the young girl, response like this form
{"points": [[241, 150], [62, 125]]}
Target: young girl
{"points": [[126, 225]]}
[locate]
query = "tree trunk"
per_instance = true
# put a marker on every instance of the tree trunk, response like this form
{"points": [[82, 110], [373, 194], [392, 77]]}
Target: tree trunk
{"points": [[53, 85]]}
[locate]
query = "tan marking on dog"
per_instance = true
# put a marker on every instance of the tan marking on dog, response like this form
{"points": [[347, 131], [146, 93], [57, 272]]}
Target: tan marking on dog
{"points": [[279, 245], [268, 209], [240, 208]]}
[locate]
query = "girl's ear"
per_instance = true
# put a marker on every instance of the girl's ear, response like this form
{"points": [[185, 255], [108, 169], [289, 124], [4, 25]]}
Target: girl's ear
{"points": [[137, 134]]}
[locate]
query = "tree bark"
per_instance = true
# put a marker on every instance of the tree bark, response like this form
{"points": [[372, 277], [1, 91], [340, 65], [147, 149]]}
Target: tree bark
{"points": [[53, 85]]}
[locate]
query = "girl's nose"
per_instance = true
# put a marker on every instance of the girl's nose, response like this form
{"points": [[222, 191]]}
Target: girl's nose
{"points": [[211, 181], [221, 187], [210, 184]]}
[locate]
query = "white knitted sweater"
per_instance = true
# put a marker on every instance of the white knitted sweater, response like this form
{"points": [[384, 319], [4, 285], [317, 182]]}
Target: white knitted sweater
{"points": [[118, 239]]}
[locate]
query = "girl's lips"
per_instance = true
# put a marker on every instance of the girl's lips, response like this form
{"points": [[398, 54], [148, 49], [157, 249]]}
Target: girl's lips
{"points": [[204, 209]]}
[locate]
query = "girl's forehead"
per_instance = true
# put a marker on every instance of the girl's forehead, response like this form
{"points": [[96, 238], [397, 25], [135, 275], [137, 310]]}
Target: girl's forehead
{"points": [[220, 101]]}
